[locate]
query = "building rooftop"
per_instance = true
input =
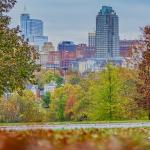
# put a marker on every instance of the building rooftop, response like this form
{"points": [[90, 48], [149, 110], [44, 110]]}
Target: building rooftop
{"points": [[106, 10]]}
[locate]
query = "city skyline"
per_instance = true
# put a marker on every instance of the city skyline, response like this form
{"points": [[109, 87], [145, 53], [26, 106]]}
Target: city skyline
{"points": [[73, 20]]}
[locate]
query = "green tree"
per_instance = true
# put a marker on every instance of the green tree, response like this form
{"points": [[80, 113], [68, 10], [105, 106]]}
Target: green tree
{"points": [[61, 108], [57, 106], [17, 58], [59, 80], [107, 102], [74, 80], [46, 99], [47, 76]]}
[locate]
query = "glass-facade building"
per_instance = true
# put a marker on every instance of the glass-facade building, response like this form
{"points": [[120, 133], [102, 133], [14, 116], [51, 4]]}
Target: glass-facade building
{"points": [[107, 33], [23, 24], [32, 30], [35, 27]]}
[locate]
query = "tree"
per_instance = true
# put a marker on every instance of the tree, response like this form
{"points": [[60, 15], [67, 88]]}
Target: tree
{"points": [[22, 108], [113, 95], [109, 90], [84, 97], [6, 5], [17, 58], [143, 85], [9, 111], [74, 80], [46, 99], [57, 106], [47, 76], [61, 108], [128, 92], [63, 101], [59, 80]]}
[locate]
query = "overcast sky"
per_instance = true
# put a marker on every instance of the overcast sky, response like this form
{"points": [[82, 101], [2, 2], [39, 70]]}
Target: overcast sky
{"points": [[73, 19]]}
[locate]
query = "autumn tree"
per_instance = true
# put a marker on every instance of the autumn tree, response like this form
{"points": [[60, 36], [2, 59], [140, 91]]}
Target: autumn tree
{"points": [[143, 85], [47, 76], [22, 108], [84, 97], [46, 98], [17, 58], [57, 106]]}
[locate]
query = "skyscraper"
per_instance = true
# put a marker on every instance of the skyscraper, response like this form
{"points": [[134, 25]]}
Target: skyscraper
{"points": [[23, 24], [91, 40], [107, 33], [32, 29]]}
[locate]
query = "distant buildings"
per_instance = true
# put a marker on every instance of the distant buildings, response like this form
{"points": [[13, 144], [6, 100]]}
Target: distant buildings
{"points": [[44, 53], [107, 33], [91, 40], [54, 59], [84, 65], [48, 46], [84, 51], [66, 56], [66, 46], [125, 46], [32, 30], [43, 58], [132, 52], [70, 52], [50, 87], [40, 92]]}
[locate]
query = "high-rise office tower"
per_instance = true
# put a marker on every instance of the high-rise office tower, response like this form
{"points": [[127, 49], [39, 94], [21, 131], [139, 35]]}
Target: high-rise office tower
{"points": [[91, 40], [107, 33], [23, 25], [32, 30]]}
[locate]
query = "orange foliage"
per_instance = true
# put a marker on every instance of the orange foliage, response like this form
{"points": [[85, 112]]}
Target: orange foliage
{"points": [[74, 140]]}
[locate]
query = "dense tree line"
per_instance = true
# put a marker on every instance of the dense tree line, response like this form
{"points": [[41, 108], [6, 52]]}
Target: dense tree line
{"points": [[106, 95]]}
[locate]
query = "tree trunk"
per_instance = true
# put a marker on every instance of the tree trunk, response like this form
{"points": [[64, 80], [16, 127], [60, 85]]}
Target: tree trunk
{"points": [[149, 115]]}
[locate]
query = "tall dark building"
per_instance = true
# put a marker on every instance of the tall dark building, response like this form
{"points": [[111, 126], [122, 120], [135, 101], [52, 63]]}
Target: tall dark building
{"points": [[107, 33]]}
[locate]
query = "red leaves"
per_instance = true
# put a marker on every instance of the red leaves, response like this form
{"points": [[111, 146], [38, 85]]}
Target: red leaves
{"points": [[143, 85], [70, 103]]}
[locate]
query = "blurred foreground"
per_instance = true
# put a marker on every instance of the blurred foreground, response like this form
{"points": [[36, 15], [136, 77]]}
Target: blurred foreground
{"points": [[93, 139]]}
